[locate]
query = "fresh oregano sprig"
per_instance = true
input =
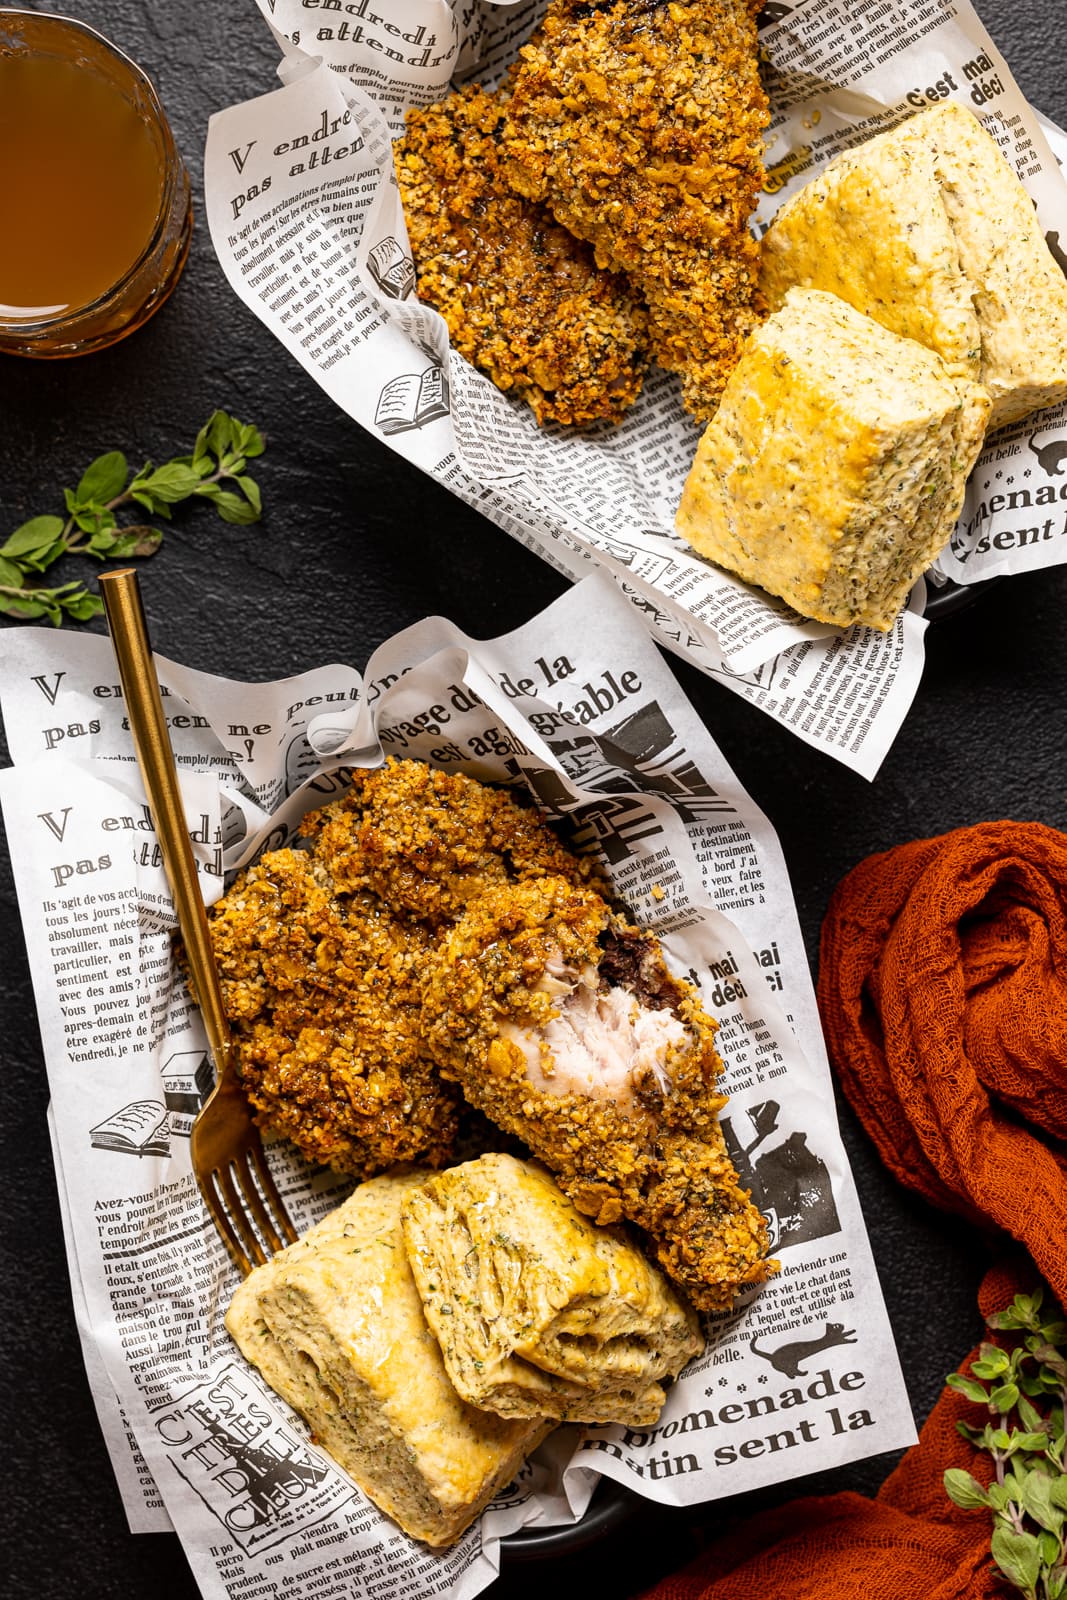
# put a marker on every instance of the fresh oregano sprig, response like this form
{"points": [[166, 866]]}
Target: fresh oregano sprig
{"points": [[215, 471], [1024, 1390]]}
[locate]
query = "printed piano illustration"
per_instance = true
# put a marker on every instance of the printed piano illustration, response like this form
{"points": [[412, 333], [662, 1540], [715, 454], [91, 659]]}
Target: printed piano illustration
{"points": [[187, 1081], [392, 268]]}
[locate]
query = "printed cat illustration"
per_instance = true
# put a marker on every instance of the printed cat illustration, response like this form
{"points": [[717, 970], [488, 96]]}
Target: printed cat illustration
{"points": [[1050, 455], [788, 1358]]}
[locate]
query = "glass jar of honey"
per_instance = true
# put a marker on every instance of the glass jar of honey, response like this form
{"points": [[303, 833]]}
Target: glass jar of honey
{"points": [[95, 213]]}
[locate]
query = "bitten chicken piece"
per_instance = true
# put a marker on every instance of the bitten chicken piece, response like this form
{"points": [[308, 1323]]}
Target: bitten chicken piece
{"points": [[564, 1025], [320, 951], [523, 299], [640, 126]]}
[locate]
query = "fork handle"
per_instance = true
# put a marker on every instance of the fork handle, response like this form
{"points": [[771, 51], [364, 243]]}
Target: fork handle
{"points": [[155, 757]]}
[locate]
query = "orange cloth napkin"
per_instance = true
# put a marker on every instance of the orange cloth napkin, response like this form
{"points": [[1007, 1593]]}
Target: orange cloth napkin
{"points": [[943, 993], [911, 1543]]}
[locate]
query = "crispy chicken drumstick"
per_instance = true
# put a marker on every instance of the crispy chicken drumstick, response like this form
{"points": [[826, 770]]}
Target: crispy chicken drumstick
{"points": [[563, 1024]]}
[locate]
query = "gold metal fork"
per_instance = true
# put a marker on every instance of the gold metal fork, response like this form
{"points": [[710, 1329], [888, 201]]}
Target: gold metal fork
{"points": [[227, 1153]]}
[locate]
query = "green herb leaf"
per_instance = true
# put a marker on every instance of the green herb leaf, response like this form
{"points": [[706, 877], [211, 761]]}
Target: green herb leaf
{"points": [[230, 507], [1004, 1397], [1036, 1500], [968, 1387], [1026, 1438], [992, 1362], [220, 454], [250, 441], [168, 484], [250, 489], [999, 1496], [217, 435], [135, 542], [1029, 1415], [21, 606], [964, 1490], [40, 533], [1018, 1556], [1049, 1546], [94, 518], [82, 605], [103, 480], [1030, 1441]]}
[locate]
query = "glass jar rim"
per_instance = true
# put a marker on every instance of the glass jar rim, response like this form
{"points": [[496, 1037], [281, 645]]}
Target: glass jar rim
{"points": [[174, 171]]}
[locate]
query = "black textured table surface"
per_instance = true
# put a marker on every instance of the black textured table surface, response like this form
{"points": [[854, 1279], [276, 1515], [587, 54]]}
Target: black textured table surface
{"points": [[355, 544]]}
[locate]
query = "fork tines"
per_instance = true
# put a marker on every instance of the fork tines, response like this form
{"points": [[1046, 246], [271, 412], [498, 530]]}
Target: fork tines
{"points": [[246, 1208]]}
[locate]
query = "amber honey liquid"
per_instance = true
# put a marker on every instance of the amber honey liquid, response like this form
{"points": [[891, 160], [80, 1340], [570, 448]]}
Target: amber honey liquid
{"points": [[82, 175]]}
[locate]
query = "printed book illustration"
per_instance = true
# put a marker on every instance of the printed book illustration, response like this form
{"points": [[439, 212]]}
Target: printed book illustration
{"points": [[392, 268], [139, 1129], [187, 1082], [412, 400]]}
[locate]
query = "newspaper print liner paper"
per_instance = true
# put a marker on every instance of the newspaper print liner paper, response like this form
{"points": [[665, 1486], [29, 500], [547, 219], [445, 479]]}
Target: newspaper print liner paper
{"points": [[306, 221], [578, 704]]}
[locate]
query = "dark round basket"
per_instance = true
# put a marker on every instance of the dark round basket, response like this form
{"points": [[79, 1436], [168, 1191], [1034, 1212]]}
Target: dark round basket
{"points": [[610, 1507]]}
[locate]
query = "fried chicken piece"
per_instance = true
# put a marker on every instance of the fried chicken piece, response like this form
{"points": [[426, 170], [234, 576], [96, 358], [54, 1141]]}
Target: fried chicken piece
{"points": [[563, 1024], [320, 952], [524, 301], [428, 841], [323, 996], [639, 124]]}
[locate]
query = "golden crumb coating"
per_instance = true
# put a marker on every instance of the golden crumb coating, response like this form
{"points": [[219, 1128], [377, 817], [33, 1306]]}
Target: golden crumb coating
{"points": [[639, 124], [323, 996], [320, 951], [428, 841], [524, 301], [564, 1026]]}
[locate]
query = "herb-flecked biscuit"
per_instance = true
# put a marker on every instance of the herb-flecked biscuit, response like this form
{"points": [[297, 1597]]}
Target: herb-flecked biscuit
{"points": [[335, 1326], [834, 470], [927, 229], [538, 1311]]}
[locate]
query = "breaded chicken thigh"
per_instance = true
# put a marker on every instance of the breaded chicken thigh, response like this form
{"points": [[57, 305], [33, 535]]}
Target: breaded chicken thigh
{"points": [[524, 299], [639, 124], [323, 997], [428, 841], [320, 951]]}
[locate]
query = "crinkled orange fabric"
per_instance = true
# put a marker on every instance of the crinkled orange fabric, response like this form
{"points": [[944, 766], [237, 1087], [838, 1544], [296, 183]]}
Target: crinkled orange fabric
{"points": [[911, 1543], [943, 993]]}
